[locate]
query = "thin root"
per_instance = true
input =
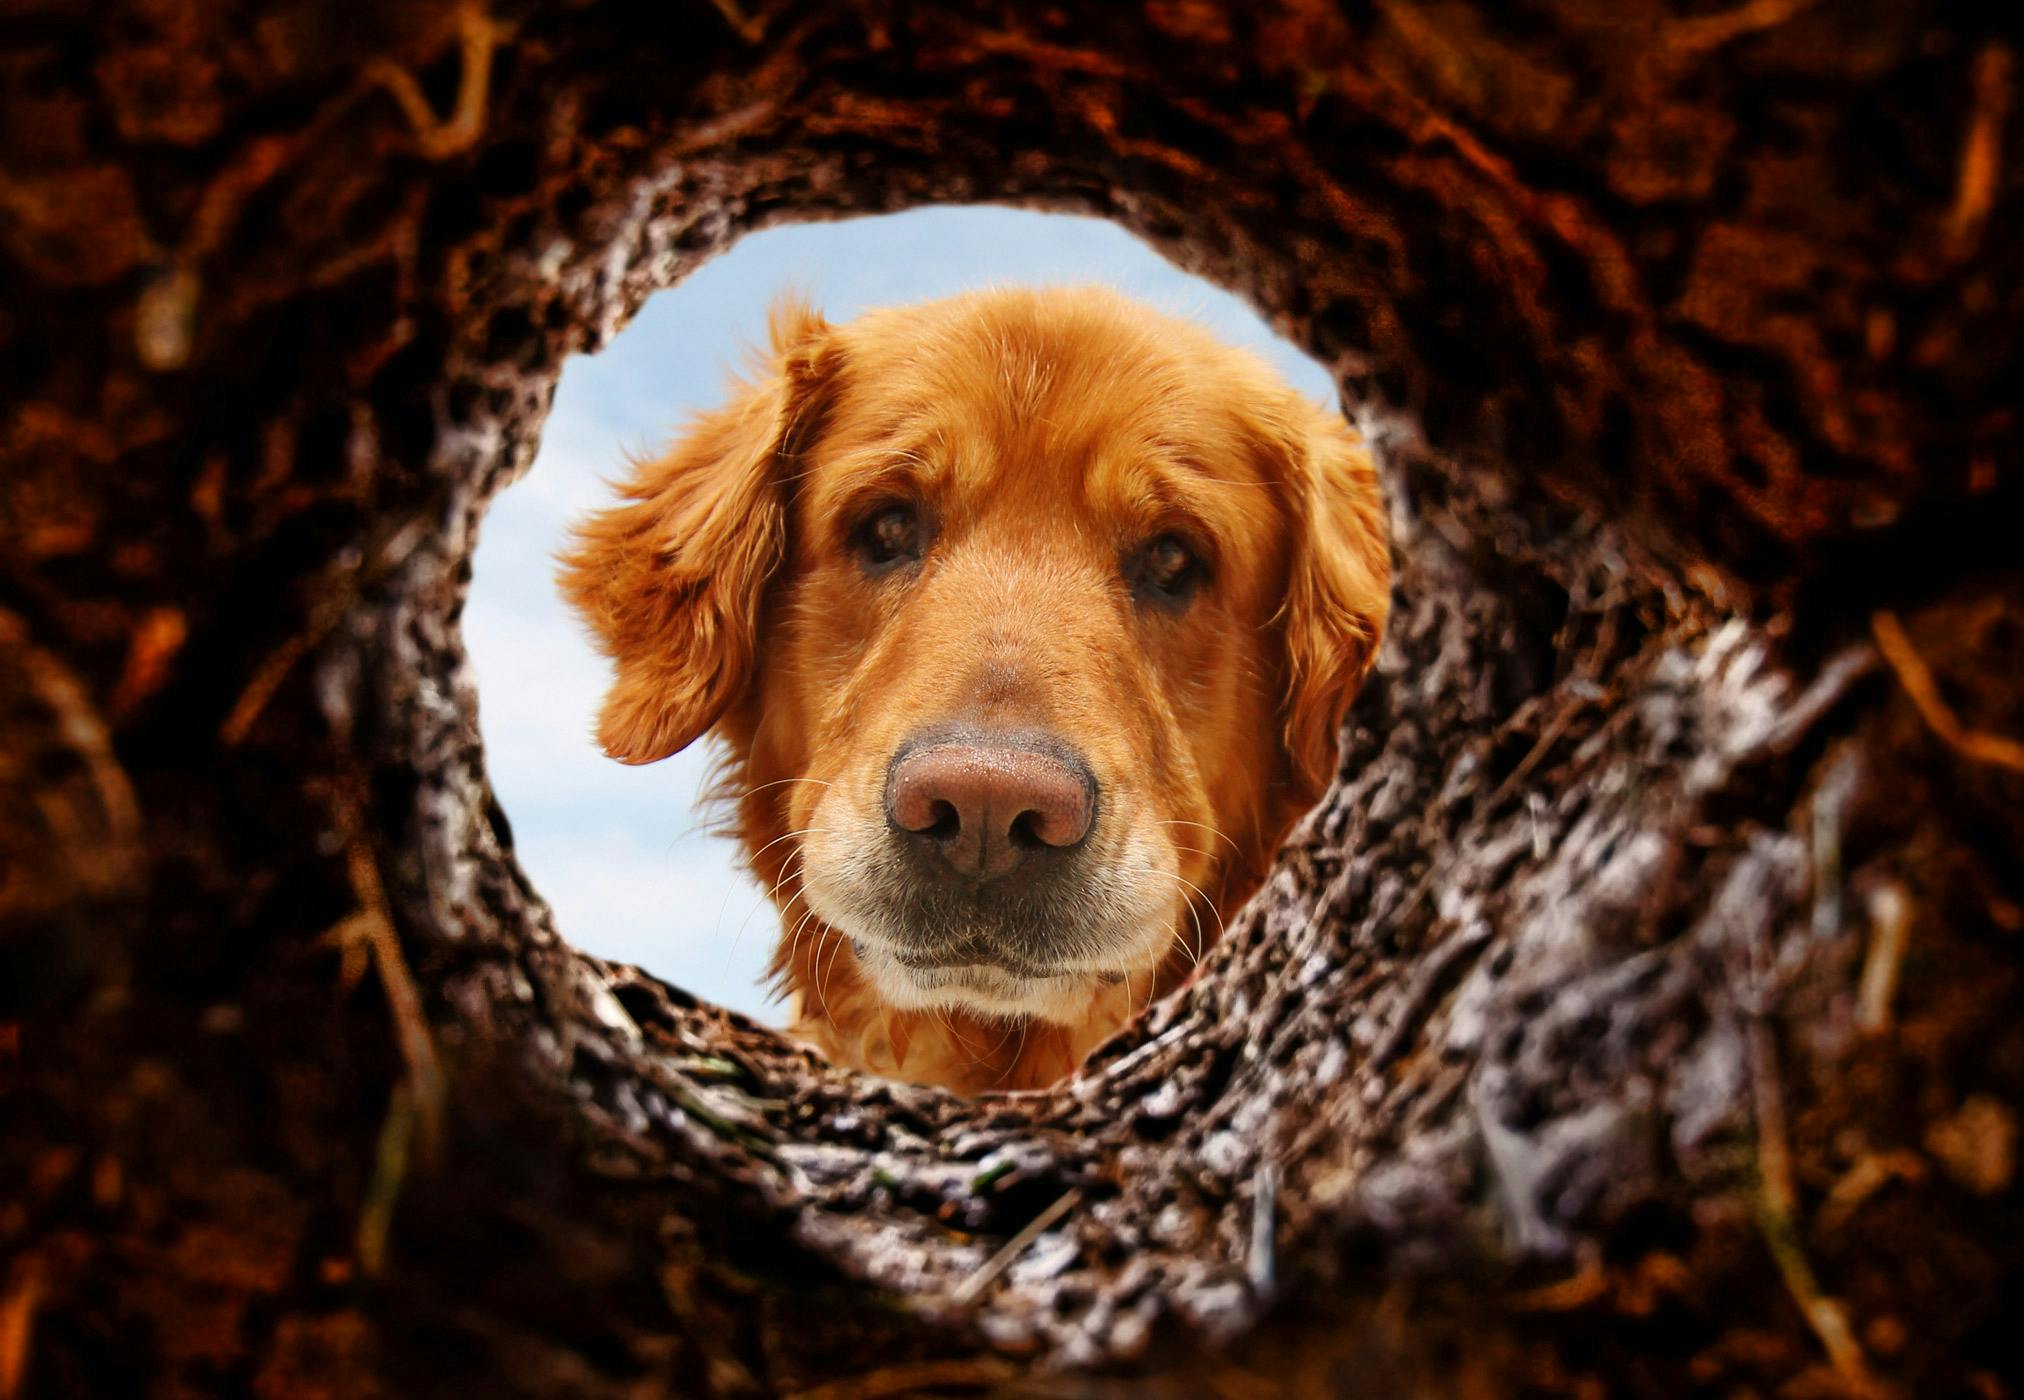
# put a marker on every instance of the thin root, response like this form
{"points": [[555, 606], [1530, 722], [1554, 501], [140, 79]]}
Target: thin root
{"points": [[478, 35], [1890, 918], [1917, 679], [371, 928]]}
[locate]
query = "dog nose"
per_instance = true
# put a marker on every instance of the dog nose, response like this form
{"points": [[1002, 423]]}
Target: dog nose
{"points": [[987, 803]]}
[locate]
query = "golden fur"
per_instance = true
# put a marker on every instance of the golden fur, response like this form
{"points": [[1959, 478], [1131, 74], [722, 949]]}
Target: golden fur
{"points": [[1042, 436]]}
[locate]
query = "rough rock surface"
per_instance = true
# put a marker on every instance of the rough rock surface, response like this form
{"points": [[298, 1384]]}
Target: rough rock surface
{"points": [[1637, 1012]]}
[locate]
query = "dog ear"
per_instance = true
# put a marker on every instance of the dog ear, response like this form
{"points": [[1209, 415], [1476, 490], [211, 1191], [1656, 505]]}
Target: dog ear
{"points": [[671, 583], [1338, 589]]}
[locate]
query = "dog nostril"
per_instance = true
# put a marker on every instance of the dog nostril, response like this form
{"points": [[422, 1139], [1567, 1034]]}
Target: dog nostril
{"points": [[1025, 831], [946, 822]]}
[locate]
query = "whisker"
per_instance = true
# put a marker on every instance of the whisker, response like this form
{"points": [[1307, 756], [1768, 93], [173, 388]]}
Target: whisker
{"points": [[794, 873], [1220, 929], [794, 940], [778, 781], [786, 979], [785, 909], [1006, 1073], [1205, 827], [1194, 958], [790, 872], [821, 988], [784, 836], [941, 1014], [724, 904]]}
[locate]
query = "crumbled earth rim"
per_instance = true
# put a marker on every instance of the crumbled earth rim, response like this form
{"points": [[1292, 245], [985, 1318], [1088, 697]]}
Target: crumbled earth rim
{"points": [[1635, 1015]]}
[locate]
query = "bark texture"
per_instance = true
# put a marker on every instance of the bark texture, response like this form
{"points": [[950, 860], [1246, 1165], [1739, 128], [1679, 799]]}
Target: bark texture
{"points": [[1637, 1013]]}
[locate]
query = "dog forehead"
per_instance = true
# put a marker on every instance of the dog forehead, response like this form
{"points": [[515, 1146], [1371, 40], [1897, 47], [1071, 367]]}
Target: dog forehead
{"points": [[1047, 396], [1012, 356]]}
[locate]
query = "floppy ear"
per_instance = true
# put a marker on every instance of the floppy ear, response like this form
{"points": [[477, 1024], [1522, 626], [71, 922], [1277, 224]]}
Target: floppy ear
{"points": [[671, 583], [1338, 589]]}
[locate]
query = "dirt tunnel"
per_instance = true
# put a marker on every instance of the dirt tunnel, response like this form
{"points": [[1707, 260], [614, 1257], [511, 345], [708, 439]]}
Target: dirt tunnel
{"points": [[1636, 1014]]}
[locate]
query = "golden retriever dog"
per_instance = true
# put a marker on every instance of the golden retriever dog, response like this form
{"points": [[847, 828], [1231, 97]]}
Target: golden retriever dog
{"points": [[1026, 620]]}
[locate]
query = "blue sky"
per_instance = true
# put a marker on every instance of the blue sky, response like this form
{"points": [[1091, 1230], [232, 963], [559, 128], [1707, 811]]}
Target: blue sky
{"points": [[617, 851]]}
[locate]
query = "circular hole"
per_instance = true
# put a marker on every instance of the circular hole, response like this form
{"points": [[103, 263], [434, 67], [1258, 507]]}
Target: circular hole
{"points": [[630, 857]]}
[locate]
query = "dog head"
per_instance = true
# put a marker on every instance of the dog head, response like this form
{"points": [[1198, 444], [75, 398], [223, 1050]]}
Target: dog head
{"points": [[1028, 619]]}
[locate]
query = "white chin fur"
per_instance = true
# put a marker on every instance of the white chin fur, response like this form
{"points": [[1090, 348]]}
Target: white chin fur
{"points": [[976, 987]]}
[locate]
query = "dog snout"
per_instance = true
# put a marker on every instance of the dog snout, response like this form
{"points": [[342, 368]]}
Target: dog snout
{"points": [[986, 804]]}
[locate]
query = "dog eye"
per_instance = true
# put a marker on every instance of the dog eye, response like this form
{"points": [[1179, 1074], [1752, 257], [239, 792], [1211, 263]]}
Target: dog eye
{"points": [[889, 536], [1169, 571]]}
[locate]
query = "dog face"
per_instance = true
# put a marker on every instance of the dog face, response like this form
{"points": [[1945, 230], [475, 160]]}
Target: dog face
{"points": [[1028, 619]]}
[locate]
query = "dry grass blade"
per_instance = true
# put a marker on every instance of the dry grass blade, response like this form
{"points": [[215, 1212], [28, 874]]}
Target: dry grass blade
{"points": [[1777, 1216], [370, 927], [971, 1288]]}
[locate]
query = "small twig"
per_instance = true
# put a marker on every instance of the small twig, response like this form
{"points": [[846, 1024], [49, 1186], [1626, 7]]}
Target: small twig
{"points": [[415, 1110], [1774, 1154], [1587, 1283], [266, 679], [1550, 735], [1890, 918], [371, 926], [1981, 152], [1705, 33], [87, 736], [156, 639], [17, 1324], [1871, 1172], [1917, 679], [971, 1288], [750, 29], [1262, 1264], [1827, 689], [165, 317]]}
